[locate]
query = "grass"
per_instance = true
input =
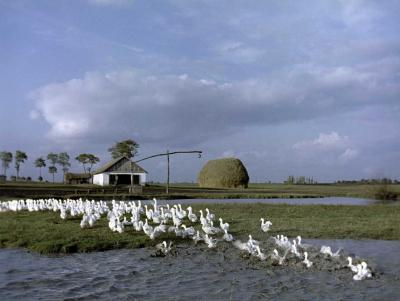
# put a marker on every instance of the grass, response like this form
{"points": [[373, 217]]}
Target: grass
{"points": [[188, 190], [46, 232]]}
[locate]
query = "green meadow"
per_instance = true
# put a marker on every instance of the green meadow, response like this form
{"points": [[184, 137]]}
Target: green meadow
{"points": [[46, 232]]}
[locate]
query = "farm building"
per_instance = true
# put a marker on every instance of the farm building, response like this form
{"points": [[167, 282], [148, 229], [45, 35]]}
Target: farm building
{"points": [[120, 171], [77, 178]]}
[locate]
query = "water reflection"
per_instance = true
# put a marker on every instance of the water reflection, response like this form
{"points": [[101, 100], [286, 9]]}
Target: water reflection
{"points": [[197, 272], [294, 201]]}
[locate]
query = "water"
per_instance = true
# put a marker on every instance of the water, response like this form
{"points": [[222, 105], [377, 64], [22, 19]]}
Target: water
{"points": [[303, 201], [195, 272]]}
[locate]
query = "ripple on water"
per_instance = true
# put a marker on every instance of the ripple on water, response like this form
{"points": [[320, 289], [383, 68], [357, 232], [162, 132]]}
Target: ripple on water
{"points": [[196, 273]]}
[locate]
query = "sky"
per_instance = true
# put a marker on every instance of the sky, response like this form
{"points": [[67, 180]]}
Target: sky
{"points": [[303, 88]]}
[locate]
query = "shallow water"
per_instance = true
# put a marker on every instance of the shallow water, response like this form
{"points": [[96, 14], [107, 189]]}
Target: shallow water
{"points": [[294, 201], [195, 272]]}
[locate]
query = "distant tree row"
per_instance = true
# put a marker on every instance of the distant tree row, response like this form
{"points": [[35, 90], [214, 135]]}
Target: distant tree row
{"points": [[370, 181], [127, 148], [7, 157], [300, 180], [53, 159]]}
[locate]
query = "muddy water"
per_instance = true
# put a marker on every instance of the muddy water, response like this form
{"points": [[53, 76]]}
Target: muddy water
{"points": [[195, 272]]}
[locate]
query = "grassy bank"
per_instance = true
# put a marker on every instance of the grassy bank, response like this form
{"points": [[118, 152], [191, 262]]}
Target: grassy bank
{"points": [[181, 191], [45, 232]]}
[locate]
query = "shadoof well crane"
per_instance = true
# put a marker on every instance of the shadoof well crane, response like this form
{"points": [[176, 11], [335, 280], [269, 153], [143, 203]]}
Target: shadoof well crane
{"points": [[168, 153]]}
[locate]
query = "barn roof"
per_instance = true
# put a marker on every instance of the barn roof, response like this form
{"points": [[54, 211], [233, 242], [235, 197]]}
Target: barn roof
{"points": [[121, 164], [71, 175]]}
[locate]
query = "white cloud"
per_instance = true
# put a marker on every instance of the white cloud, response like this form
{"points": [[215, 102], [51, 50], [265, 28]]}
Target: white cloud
{"points": [[182, 110], [228, 154], [238, 52], [330, 149], [348, 154], [324, 142]]}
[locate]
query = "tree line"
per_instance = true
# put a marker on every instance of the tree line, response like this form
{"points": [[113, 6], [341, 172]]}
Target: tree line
{"points": [[370, 181], [300, 180], [51, 161], [126, 148]]}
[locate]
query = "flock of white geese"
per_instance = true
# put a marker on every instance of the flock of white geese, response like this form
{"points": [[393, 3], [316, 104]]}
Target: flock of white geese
{"points": [[155, 220]]}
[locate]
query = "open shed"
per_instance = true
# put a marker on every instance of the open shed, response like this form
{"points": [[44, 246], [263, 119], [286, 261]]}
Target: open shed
{"points": [[120, 171]]}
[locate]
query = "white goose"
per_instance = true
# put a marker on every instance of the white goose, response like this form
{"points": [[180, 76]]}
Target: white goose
{"points": [[352, 267], [328, 251], [191, 216], [243, 246], [294, 250], [210, 216], [224, 226], [203, 220], [210, 229], [211, 242], [227, 236], [306, 261], [260, 254], [362, 272], [188, 231], [63, 213], [252, 244], [265, 225], [280, 259], [197, 237], [163, 247]]}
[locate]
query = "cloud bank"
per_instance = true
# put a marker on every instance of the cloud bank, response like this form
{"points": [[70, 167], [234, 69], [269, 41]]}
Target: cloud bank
{"points": [[182, 110]]}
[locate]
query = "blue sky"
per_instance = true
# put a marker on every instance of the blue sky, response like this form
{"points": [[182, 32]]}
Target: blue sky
{"points": [[289, 87]]}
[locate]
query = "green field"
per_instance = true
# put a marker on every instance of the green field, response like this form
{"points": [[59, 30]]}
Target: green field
{"points": [[45, 190], [46, 232]]}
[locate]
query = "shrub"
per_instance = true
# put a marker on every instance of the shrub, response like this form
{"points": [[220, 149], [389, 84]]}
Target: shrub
{"points": [[382, 192], [223, 173]]}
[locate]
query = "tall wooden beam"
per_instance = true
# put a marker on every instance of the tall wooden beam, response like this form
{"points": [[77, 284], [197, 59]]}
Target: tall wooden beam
{"points": [[168, 154]]}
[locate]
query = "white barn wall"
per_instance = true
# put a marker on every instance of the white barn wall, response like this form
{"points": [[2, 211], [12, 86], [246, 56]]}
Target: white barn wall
{"points": [[103, 179], [142, 178], [98, 179], [106, 179]]}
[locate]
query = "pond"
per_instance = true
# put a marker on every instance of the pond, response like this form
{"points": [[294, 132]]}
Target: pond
{"points": [[195, 272], [294, 201]]}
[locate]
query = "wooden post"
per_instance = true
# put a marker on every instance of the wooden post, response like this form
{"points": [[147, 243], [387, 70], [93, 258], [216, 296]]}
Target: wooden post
{"points": [[131, 188], [167, 172], [168, 153]]}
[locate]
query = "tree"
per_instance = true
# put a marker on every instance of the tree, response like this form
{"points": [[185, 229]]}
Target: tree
{"points": [[290, 180], [92, 160], [20, 157], [39, 163], [63, 160], [6, 159], [83, 159], [127, 148], [52, 170], [53, 158]]}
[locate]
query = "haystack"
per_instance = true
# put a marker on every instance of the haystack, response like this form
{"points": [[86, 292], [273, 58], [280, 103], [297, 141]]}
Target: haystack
{"points": [[223, 173]]}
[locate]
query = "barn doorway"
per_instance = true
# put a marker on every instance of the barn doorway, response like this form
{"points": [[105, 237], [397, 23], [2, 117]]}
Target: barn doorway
{"points": [[136, 180], [124, 180]]}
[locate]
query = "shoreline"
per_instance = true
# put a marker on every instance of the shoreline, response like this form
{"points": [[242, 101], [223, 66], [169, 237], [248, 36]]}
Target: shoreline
{"points": [[47, 233]]}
